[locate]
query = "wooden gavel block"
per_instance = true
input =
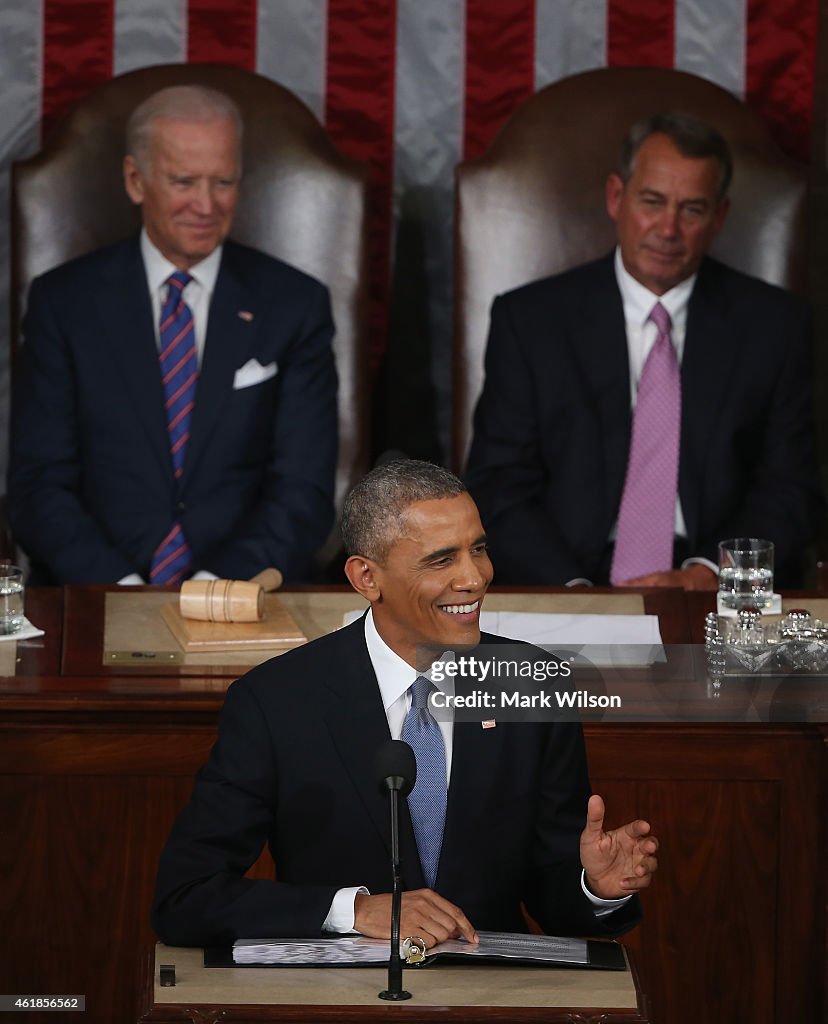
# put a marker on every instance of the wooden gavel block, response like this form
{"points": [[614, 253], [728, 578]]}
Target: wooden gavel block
{"points": [[227, 600]]}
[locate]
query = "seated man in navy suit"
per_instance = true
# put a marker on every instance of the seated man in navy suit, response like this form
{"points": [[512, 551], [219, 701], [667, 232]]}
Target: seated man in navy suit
{"points": [[639, 409], [175, 406], [499, 816]]}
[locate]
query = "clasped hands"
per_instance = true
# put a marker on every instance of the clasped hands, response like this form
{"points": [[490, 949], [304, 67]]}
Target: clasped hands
{"points": [[616, 864]]}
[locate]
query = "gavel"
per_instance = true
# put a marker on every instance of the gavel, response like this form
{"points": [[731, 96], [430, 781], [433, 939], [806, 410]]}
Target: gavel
{"points": [[228, 600]]}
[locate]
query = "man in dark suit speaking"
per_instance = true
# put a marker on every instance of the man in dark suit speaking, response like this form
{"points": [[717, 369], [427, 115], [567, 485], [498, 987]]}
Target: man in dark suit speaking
{"points": [[641, 408], [175, 405], [498, 816]]}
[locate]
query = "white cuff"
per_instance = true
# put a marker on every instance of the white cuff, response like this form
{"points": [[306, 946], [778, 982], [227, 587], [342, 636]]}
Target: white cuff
{"points": [[131, 580], [341, 915], [579, 581], [204, 574], [602, 907], [698, 560]]}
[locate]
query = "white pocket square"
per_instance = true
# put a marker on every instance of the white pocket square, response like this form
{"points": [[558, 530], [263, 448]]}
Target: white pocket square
{"points": [[253, 373]]}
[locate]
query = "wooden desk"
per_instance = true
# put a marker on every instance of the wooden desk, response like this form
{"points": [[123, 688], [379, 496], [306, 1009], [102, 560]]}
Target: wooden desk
{"points": [[459, 995], [95, 764]]}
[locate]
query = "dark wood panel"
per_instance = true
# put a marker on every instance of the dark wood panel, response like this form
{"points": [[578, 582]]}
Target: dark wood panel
{"points": [[87, 848], [733, 927]]}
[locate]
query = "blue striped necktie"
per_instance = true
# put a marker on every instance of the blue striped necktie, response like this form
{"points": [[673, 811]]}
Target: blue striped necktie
{"points": [[179, 372], [427, 801]]}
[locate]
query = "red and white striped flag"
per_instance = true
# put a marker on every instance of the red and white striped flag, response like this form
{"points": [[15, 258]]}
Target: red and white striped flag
{"points": [[411, 86]]}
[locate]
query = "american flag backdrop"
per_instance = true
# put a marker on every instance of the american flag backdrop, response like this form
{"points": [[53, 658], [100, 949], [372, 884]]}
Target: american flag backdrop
{"points": [[412, 87]]}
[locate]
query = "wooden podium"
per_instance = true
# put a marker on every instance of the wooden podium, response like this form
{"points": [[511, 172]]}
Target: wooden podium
{"points": [[99, 745], [456, 995]]}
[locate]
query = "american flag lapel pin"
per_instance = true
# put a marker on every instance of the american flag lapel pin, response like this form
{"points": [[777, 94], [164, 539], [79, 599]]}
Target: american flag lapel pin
{"points": [[246, 315], [490, 723]]}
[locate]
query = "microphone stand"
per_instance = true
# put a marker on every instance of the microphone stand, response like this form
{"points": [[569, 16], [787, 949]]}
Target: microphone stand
{"points": [[395, 992]]}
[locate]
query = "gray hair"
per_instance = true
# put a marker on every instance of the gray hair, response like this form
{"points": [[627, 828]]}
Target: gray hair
{"points": [[374, 514], [178, 103], [690, 135]]}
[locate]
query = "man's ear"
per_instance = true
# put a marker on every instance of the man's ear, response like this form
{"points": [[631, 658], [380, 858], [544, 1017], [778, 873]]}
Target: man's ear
{"points": [[614, 192], [133, 181], [362, 577]]}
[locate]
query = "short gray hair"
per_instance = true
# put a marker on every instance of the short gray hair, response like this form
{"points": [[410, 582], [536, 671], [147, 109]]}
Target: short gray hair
{"points": [[374, 514], [691, 136], [179, 103]]}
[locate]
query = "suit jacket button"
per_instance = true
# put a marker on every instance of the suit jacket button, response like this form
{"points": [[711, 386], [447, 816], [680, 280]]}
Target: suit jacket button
{"points": [[180, 506]]}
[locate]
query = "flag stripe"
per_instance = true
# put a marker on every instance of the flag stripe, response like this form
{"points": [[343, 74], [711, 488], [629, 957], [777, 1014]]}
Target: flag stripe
{"points": [[569, 38], [640, 34], [222, 31], [707, 29], [500, 67], [781, 58], [151, 32], [290, 48], [359, 116], [77, 52]]}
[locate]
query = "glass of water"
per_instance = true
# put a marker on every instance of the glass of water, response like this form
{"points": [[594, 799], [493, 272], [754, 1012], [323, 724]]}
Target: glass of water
{"points": [[11, 598], [746, 572]]}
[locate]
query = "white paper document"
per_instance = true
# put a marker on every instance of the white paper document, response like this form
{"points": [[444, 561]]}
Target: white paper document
{"points": [[346, 950], [358, 949], [514, 946], [605, 640]]}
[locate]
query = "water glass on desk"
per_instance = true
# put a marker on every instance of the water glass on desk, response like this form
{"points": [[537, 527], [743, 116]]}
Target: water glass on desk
{"points": [[11, 598], [746, 572]]}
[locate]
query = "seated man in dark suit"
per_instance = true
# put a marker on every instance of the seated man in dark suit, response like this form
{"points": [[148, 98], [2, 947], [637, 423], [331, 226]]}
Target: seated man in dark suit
{"points": [[498, 816], [641, 408], [175, 406]]}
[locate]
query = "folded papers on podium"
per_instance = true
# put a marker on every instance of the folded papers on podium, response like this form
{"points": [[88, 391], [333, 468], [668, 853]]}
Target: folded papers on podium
{"points": [[360, 951]]}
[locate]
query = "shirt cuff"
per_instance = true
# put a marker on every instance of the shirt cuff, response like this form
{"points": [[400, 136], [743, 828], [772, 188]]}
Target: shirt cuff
{"points": [[341, 915], [698, 560], [579, 581], [130, 580], [602, 907], [204, 574]]}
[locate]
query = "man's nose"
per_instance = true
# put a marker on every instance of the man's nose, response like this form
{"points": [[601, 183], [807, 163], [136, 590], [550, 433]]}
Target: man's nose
{"points": [[202, 198], [668, 222], [468, 575]]}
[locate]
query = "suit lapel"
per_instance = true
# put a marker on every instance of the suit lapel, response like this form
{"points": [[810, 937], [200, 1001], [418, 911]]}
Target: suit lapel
{"points": [[124, 307], [601, 349], [229, 339], [474, 761], [711, 350], [358, 726]]}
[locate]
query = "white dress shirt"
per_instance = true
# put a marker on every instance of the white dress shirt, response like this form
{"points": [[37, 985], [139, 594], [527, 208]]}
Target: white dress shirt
{"points": [[197, 294]]}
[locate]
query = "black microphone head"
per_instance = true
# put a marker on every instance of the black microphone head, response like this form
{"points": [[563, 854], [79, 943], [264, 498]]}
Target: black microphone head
{"points": [[396, 766]]}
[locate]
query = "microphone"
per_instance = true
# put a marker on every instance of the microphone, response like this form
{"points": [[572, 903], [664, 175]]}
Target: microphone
{"points": [[396, 766], [396, 769]]}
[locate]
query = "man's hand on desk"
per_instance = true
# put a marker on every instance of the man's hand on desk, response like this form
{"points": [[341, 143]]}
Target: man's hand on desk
{"points": [[424, 913], [694, 577], [619, 862]]}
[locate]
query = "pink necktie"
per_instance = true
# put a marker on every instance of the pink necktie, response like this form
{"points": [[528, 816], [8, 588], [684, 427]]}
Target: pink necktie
{"points": [[646, 519]]}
